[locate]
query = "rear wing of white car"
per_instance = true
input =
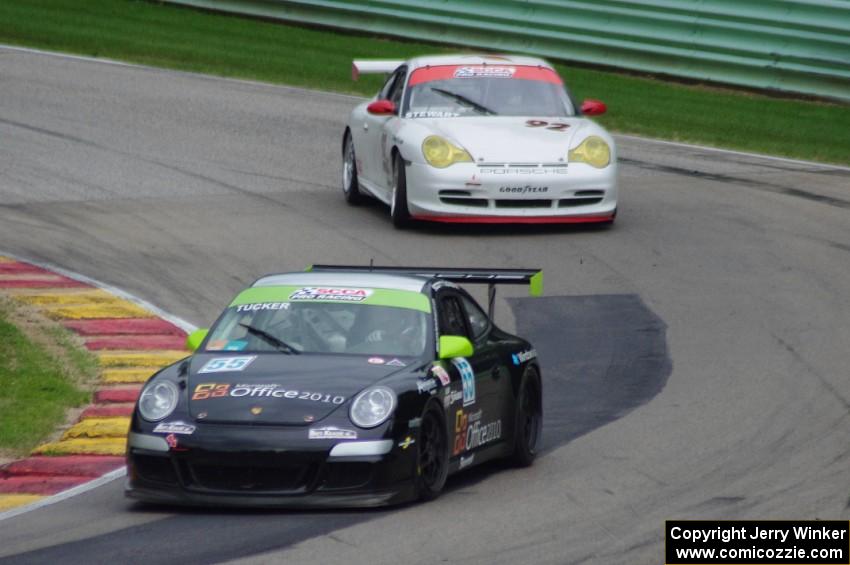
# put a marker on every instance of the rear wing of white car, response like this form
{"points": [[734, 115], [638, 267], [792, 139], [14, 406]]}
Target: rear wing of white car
{"points": [[373, 66]]}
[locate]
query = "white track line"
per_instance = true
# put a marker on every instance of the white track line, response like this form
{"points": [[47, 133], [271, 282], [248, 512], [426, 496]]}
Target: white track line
{"points": [[732, 152], [117, 473], [64, 495], [349, 96], [175, 71]]}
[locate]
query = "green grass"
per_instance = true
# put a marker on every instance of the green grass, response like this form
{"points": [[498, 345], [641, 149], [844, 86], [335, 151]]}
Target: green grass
{"points": [[42, 374], [179, 38]]}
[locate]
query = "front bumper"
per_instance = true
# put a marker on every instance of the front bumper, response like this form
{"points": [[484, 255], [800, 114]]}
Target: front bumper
{"points": [[248, 467], [509, 193]]}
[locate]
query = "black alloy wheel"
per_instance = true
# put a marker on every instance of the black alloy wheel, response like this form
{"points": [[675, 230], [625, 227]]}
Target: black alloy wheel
{"points": [[529, 419], [432, 465]]}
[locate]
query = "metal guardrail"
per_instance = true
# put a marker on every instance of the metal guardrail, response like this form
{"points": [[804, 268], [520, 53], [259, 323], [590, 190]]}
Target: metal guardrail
{"points": [[786, 45]]}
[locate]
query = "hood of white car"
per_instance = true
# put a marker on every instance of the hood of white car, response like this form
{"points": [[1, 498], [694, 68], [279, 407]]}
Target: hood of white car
{"points": [[510, 139]]}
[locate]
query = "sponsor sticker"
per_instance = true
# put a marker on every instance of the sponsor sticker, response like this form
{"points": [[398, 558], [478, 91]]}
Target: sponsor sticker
{"points": [[523, 356], [171, 440], [523, 170], [205, 391], [426, 385], [441, 374], [262, 306], [470, 432], [331, 293], [227, 364], [408, 441], [256, 410], [527, 189], [217, 345], [485, 71], [396, 363], [453, 396], [431, 114], [174, 428], [376, 360], [466, 461], [235, 345], [332, 432], [467, 376]]}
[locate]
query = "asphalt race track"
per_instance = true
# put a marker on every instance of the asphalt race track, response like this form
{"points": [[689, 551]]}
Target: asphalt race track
{"points": [[694, 356]]}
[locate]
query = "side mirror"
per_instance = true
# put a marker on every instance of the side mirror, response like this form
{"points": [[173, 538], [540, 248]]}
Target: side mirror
{"points": [[591, 107], [452, 346], [196, 338], [381, 108]]}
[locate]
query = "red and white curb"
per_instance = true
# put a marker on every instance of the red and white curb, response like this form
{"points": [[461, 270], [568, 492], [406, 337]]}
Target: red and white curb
{"points": [[131, 338]]}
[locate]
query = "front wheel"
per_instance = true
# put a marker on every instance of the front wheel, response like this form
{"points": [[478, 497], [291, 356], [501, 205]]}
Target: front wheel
{"points": [[432, 461], [398, 203], [529, 419], [350, 187]]}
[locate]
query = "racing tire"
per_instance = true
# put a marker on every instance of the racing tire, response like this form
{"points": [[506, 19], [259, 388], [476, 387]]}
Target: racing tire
{"points": [[432, 459], [529, 419], [398, 200], [350, 186]]}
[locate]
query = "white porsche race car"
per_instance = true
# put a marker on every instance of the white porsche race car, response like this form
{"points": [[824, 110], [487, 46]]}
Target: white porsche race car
{"points": [[479, 139]]}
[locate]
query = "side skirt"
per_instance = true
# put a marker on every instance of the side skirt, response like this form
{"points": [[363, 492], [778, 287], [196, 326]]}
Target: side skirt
{"points": [[498, 450]]}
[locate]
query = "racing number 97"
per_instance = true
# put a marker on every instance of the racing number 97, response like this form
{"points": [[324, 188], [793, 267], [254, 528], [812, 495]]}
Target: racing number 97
{"points": [[547, 125]]}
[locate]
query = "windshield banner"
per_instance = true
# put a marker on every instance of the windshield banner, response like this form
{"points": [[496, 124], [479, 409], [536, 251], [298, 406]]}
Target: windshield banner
{"points": [[446, 72]]}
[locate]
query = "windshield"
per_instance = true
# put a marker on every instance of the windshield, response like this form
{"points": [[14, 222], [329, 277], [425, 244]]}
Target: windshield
{"points": [[450, 91], [321, 327]]}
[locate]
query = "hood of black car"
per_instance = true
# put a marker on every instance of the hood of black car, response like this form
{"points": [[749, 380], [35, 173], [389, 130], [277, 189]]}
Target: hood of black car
{"points": [[270, 388]]}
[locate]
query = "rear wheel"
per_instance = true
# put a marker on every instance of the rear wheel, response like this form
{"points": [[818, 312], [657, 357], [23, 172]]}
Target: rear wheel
{"points": [[398, 203], [432, 463], [350, 188], [529, 419]]}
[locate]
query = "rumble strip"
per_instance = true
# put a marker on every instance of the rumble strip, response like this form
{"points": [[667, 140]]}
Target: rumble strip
{"points": [[132, 339]]}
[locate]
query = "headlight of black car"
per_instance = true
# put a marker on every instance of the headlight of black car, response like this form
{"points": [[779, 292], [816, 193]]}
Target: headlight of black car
{"points": [[158, 400], [372, 407]]}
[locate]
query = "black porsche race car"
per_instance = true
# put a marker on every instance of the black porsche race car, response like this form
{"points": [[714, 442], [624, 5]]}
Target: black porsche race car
{"points": [[339, 386]]}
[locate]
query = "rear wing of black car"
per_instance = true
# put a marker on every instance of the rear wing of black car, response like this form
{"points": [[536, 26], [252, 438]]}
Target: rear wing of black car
{"points": [[463, 275]]}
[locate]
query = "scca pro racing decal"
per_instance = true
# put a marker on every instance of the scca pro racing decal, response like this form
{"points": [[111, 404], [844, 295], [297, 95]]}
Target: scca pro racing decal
{"points": [[467, 376], [471, 433], [489, 72], [206, 391], [333, 294], [227, 364]]}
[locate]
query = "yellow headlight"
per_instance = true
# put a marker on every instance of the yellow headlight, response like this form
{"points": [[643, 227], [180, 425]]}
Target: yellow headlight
{"points": [[440, 153], [593, 151]]}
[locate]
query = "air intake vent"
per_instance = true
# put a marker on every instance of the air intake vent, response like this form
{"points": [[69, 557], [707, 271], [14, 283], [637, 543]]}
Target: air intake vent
{"points": [[523, 203], [479, 202], [573, 202]]}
